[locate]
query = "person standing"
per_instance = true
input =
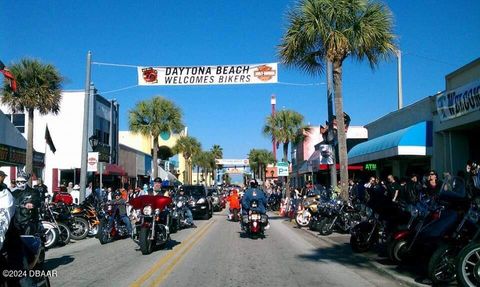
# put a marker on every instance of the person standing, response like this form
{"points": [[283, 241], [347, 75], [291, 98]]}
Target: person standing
{"points": [[42, 189], [70, 187], [2, 178], [393, 188]]}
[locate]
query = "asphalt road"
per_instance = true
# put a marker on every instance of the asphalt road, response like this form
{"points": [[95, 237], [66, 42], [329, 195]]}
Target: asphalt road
{"points": [[215, 254]]}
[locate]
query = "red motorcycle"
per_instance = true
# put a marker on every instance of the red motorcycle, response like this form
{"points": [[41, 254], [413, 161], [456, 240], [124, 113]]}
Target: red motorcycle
{"points": [[151, 229]]}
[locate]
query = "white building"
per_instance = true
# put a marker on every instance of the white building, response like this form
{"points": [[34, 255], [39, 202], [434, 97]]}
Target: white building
{"points": [[66, 129]]}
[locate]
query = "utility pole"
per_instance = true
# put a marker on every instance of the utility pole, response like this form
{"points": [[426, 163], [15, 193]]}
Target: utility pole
{"points": [[83, 171], [273, 101], [333, 168], [399, 79]]}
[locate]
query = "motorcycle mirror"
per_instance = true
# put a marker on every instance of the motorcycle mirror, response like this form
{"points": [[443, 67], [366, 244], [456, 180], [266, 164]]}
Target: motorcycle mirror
{"points": [[76, 200]]}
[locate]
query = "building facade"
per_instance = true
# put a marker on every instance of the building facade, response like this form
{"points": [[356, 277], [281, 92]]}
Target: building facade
{"points": [[66, 128], [439, 132]]}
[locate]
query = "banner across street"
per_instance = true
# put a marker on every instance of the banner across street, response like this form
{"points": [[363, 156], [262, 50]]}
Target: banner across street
{"points": [[208, 75]]}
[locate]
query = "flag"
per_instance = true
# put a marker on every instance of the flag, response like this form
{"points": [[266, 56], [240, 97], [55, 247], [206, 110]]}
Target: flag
{"points": [[49, 140], [9, 76]]}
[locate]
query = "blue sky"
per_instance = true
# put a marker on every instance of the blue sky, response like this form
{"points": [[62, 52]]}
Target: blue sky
{"points": [[436, 38]]}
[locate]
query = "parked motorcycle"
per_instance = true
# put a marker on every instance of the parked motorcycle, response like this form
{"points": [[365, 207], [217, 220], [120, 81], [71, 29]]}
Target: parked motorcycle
{"points": [[273, 202], [436, 220], [107, 232], [342, 217], [468, 265], [86, 218], [49, 221], [305, 210], [152, 228]]}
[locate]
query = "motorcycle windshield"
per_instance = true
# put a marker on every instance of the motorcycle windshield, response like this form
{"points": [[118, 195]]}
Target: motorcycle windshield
{"points": [[155, 201]]}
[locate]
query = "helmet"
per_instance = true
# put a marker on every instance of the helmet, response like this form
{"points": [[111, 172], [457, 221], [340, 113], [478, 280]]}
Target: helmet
{"points": [[253, 183], [117, 193]]}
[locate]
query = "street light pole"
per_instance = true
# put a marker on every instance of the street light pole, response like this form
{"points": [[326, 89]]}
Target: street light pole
{"points": [[399, 79], [83, 171], [273, 101]]}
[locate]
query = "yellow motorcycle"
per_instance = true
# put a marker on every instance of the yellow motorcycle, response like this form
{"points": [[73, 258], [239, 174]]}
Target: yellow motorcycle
{"points": [[306, 210]]}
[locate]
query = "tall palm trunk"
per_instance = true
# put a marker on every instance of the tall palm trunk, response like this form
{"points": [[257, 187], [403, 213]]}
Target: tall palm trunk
{"points": [[198, 173], [342, 137], [285, 159], [29, 156], [155, 156]]}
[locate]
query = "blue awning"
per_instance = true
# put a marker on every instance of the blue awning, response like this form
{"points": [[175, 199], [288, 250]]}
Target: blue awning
{"points": [[413, 140]]}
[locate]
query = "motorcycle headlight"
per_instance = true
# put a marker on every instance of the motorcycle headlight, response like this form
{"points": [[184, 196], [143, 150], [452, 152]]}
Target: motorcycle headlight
{"points": [[157, 211], [201, 200], [180, 204], [147, 210]]}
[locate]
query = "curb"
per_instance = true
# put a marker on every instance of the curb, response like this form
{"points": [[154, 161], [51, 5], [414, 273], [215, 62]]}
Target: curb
{"points": [[404, 279]]}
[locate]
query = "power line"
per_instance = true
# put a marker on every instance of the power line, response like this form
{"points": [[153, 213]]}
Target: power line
{"points": [[118, 90], [428, 58]]}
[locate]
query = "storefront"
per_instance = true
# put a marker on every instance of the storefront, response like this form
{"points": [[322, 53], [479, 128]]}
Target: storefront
{"points": [[457, 120], [440, 132]]}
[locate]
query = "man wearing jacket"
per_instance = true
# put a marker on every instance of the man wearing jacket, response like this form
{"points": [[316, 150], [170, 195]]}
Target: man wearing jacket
{"points": [[254, 193], [27, 201]]}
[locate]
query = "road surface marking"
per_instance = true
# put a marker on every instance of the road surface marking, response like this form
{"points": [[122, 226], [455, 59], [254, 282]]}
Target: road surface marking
{"points": [[167, 257], [158, 280]]}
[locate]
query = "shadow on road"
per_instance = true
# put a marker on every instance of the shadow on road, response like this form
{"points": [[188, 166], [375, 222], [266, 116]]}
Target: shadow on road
{"points": [[343, 254], [245, 235], [170, 244], [53, 263]]}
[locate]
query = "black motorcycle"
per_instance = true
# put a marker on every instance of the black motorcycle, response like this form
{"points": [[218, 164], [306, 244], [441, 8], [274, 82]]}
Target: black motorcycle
{"points": [[179, 218], [107, 230], [34, 273], [341, 217], [273, 202]]}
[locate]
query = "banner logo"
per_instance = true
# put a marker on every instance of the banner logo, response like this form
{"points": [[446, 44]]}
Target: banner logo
{"points": [[150, 75], [265, 73]]}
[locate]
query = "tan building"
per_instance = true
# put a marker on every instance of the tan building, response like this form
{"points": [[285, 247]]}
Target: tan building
{"points": [[166, 141]]}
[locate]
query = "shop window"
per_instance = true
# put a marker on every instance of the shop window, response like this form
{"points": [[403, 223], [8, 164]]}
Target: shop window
{"points": [[18, 120]]}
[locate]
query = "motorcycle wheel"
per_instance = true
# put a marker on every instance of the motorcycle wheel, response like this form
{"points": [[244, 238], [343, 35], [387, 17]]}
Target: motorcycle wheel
{"points": [[441, 266], [359, 243], [396, 251], [145, 244], [51, 236], [93, 230], [324, 226], [468, 266], [103, 233], [303, 221], [80, 228], [64, 234]]}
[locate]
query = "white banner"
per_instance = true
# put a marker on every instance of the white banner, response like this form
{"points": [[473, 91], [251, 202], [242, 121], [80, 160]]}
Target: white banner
{"points": [[208, 75], [92, 161], [458, 102], [232, 161]]}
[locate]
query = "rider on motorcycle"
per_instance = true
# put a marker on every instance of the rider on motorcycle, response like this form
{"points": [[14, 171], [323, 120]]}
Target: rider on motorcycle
{"points": [[188, 213], [254, 193], [120, 204], [27, 217], [234, 201]]}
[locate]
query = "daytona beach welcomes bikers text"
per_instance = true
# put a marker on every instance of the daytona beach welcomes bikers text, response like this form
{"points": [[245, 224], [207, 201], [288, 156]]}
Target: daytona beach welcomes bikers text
{"points": [[207, 75]]}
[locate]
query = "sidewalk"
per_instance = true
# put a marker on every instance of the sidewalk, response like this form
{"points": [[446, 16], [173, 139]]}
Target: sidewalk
{"points": [[410, 275]]}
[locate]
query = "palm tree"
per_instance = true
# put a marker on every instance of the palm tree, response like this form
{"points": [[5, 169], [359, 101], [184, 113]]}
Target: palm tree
{"points": [[152, 117], [259, 159], [286, 126], [333, 30], [188, 146], [39, 88], [217, 153]]}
